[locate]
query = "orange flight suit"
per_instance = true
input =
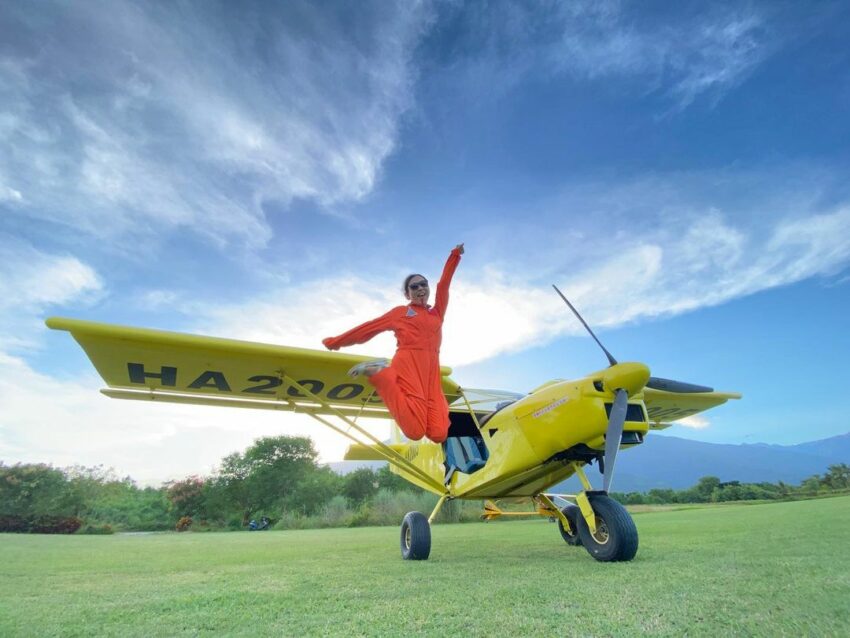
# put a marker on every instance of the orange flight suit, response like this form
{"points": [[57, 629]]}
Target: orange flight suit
{"points": [[410, 387]]}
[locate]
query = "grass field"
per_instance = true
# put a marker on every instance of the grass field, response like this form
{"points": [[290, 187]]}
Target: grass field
{"points": [[762, 570]]}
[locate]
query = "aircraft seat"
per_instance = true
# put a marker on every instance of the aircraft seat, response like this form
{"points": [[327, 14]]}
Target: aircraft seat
{"points": [[465, 454]]}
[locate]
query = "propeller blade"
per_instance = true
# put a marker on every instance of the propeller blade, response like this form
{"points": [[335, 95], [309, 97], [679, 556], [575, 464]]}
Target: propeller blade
{"points": [[611, 359], [669, 385], [614, 435]]}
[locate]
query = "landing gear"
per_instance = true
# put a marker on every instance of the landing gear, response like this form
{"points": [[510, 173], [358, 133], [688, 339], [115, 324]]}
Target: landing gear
{"points": [[415, 537], [615, 537], [573, 513]]}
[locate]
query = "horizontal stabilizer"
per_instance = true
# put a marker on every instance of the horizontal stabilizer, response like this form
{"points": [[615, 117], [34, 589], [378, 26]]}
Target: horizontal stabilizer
{"points": [[358, 452]]}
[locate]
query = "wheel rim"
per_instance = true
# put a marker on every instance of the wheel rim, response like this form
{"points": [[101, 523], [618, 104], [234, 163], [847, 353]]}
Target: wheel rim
{"points": [[601, 536], [407, 538]]}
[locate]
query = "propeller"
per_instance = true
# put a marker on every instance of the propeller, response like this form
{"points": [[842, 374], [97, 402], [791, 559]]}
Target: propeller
{"points": [[622, 379], [611, 359], [613, 435]]}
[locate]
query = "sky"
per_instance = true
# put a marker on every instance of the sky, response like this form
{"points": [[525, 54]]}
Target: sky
{"points": [[271, 172]]}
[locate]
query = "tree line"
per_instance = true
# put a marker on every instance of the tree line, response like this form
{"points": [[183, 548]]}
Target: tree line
{"points": [[277, 477], [280, 478], [710, 489]]}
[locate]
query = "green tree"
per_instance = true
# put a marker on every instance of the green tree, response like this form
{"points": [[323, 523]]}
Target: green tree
{"points": [[91, 484], [267, 473], [811, 485], [360, 485], [705, 487], [314, 492], [187, 497], [31, 490], [387, 480], [837, 477], [659, 495]]}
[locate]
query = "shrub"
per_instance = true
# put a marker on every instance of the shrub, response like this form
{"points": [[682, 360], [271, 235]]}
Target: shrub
{"points": [[16, 524], [293, 520], [56, 525], [96, 529], [235, 522], [336, 513], [389, 508], [183, 524]]}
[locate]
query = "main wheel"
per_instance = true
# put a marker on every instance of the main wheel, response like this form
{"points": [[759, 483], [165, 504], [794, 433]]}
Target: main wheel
{"points": [[616, 536], [415, 537], [572, 512]]}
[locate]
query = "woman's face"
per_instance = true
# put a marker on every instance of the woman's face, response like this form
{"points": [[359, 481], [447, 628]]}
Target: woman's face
{"points": [[418, 291]]}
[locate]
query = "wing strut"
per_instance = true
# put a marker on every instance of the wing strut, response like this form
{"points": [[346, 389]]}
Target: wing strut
{"points": [[380, 447], [469, 407]]}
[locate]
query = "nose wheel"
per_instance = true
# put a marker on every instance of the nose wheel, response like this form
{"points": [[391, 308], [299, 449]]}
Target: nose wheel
{"points": [[615, 537]]}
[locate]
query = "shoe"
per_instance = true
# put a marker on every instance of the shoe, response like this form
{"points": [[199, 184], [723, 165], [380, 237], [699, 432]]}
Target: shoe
{"points": [[361, 368]]}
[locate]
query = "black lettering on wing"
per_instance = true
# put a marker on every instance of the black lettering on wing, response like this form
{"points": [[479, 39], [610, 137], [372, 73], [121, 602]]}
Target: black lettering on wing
{"points": [[266, 383], [209, 380]]}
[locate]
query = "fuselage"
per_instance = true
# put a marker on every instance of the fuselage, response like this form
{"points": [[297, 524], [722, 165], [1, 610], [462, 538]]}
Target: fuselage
{"points": [[534, 441]]}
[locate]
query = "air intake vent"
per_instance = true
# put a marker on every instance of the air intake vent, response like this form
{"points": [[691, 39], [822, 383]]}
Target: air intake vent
{"points": [[633, 412]]}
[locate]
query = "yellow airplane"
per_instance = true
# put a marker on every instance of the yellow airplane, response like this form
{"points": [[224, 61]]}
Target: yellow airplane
{"points": [[501, 445]]}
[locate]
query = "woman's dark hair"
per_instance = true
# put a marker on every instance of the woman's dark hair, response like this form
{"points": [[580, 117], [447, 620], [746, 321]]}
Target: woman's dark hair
{"points": [[407, 281]]}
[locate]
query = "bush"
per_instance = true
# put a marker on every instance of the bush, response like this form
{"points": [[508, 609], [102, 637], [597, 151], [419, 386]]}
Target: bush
{"points": [[389, 508], [336, 513], [55, 525], [96, 529], [15, 524], [183, 524], [293, 520], [234, 523]]}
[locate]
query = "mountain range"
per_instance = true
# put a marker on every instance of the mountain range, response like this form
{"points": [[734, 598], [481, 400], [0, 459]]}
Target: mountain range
{"points": [[671, 462]]}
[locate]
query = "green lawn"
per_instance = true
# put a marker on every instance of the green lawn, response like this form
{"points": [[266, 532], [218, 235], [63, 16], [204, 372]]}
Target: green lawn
{"points": [[765, 570]]}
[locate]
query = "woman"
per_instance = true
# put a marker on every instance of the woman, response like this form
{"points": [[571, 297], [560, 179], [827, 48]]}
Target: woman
{"points": [[410, 386]]}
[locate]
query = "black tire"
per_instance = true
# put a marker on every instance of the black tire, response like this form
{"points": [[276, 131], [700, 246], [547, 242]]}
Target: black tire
{"points": [[572, 512], [616, 537], [415, 537]]}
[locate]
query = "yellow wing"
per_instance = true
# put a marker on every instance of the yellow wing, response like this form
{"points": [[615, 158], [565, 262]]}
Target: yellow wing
{"points": [[665, 407], [138, 363]]}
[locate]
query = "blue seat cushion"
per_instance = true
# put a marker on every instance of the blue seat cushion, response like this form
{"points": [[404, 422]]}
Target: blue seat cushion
{"points": [[467, 454]]}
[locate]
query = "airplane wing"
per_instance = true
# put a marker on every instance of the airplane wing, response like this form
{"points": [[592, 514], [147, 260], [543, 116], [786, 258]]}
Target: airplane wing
{"points": [[143, 364], [665, 407], [154, 365]]}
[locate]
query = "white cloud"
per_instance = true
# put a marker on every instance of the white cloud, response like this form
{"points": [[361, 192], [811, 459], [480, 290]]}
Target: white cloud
{"points": [[66, 423], [683, 55], [696, 422], [10, 195], [701, 260], [141, 120], [30, 282], [705, 53]]}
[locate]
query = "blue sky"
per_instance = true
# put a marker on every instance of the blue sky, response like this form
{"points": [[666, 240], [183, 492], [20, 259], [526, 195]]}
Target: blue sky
{"points": [[272, 171]]}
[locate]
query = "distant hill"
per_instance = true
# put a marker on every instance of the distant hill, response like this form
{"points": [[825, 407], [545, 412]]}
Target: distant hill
{"points": [[669, 461], [673, 462]]}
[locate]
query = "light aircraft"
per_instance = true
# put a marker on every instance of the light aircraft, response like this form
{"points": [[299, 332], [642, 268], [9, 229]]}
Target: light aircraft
{"points": [[501, 445]]}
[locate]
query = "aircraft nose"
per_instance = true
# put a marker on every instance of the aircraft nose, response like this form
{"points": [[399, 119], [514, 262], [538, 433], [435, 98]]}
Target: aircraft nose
{"points": [[628, 376]]}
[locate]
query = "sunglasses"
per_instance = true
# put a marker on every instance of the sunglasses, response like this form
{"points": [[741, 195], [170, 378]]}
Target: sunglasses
{"points": [[418, 285]]}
